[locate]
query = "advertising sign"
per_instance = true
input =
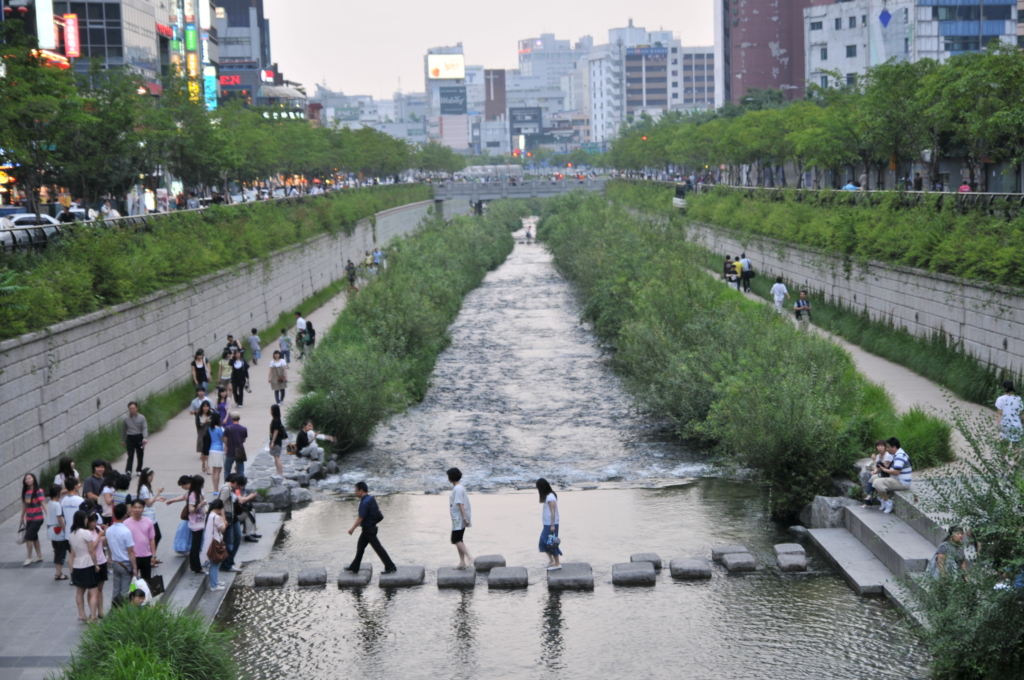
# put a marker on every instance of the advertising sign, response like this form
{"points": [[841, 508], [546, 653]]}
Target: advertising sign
{"points": [[231, 80], [210, 91], [44, 27], [72, 47], [267, 76], [193, 90], [446, 66], [346, 113], [192, 62], [190, 38], [164, 30], [453, 101]]}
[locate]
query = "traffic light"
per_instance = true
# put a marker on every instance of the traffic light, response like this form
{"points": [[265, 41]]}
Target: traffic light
{"points": [[515, 152], [568, 165]]}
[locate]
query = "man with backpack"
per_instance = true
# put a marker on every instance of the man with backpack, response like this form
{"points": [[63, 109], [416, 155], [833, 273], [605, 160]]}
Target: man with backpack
{"points": [[369, 517]]}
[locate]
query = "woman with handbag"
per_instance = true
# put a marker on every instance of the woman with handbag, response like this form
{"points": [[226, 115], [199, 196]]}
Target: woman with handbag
{"points": [[201, 371], [32, 500], [549, 540], [213, 543], [194, 513], [278, 377], [203, 420]]}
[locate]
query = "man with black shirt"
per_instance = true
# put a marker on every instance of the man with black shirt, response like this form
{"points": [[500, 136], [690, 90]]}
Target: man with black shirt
{"points": [[369, 516]]}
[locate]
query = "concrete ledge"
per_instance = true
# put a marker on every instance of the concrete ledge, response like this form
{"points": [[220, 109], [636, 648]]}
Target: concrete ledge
{"points": [[488, 562], [634, 574], [404, 577], [348, 579], [507, 578], [721, 551], [789, 549], [689, 568], [863, 571], [313, 577], [270, 578], [737, 563], [653, 558], [792, 562], [572, 576], [450, 577]]}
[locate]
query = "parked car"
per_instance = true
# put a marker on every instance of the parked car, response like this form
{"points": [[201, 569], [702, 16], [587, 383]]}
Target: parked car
{"points": [[29, 220]]}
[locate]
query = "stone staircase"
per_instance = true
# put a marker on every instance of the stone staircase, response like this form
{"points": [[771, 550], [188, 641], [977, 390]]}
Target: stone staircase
{"points": [[875, 551]]}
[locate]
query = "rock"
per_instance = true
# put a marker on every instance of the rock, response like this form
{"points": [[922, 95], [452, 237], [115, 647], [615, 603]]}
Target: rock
{"points": [[653, 558], [488, 562], [347, 579], [300, 495], [259, 483], [332, 467], [450, 577], [291, 484], [262, 507], [688, 568], [789, 549], [739, 562], [721, 551], [507, 578], [842, 485], [280, 497], [792, 562], [572, 576], [805, 515], [827, 512], [277, 480], [799, 531], [634, 574], [862, 465], [315, 471], [270, 578], [313, 577], [404, 577], [313, 484], [302, 479]]}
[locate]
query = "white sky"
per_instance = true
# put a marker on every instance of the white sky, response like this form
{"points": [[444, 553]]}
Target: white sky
{"points": [[365, 46]]}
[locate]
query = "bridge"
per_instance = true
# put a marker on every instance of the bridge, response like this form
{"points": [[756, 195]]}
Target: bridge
{"points": [[480, 192]]}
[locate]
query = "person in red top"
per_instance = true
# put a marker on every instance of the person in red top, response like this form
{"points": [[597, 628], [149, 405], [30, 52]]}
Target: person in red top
{"points": [[144, 536], [32, 499], [965, 188]]}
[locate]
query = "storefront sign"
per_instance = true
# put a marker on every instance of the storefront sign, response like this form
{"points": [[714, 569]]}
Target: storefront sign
{"points": [[72, 47]]}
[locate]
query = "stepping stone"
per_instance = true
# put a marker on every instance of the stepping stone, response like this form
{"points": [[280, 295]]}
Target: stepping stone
{"points": [[653, 558], [572, 576], [450, 577], [718, 553], [347, 579], [508, 578], [313, 577], [789, 549], [739, 562], [488, 562], [270, 578], [792, 562], [403, 578], [688, 568], [633, 574]]}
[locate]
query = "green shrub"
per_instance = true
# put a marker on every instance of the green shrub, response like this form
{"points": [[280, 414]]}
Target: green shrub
{"points": [[151, 642]]}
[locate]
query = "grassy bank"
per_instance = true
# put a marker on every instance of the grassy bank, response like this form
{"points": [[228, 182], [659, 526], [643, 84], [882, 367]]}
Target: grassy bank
{"points": [[99, 267], [378, 356], [724, 370]]}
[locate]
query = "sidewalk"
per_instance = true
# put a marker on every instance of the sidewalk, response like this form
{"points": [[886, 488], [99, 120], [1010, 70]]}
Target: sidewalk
{"points": [[38, 615]]}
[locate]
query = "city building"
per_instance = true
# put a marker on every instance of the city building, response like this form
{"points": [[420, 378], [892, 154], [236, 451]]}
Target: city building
{"points": [[698, 89], [495, 101], [244, 50], [547, 59], [605, 70]]}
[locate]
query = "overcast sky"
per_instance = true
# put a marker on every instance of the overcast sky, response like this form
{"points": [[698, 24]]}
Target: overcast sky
{"points": [[365, 46]]}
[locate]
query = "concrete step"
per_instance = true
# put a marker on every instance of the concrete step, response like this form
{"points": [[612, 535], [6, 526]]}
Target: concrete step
{"points": [[907, 505], [862, 570], [890, 539]]}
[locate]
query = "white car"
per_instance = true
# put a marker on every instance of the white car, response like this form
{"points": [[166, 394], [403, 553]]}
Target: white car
{"points": [[29, 220]]}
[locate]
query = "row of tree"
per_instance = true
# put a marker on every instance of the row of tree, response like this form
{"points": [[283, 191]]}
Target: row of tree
{"points": [[897, 115], [101, 133]]}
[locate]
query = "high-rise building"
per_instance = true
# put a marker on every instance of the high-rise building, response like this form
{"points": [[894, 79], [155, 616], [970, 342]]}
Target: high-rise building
{"points": [[243, 35], [546, 58], [495, 102], [698, 88], [605, 69]]}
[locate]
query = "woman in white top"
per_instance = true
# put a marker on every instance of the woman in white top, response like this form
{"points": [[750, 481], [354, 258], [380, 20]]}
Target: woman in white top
{"points": [[1008, 418], [214, 532], [144, 492], [84, 568], [779, 293], [549, 540], [65, 469], [278, 377]]}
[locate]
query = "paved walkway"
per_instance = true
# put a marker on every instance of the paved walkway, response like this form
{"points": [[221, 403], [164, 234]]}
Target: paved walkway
{"points": [[38, 616]]}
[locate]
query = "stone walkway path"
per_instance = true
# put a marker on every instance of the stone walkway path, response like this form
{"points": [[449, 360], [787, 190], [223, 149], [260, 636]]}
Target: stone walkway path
{"points": [[37, 614]]}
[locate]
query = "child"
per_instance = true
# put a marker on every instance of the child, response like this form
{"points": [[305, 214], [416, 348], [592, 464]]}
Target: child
{"points": [[461, 515], [780, 293], [284, 343], [254, 345]]}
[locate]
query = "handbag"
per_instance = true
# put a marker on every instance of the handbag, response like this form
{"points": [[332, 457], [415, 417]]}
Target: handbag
{"points": [[184, 511], [20, 540], [217, 552], [240, 456], [182, 538], [156, 585]]}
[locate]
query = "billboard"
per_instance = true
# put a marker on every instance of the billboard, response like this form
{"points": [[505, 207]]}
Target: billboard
{"points": [[453, 101], [446, 66], [190, 38], [72, 47]]}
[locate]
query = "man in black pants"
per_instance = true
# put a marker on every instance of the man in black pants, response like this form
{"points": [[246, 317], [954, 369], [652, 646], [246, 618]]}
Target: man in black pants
{"points": [[134, 435], [369, 516]]}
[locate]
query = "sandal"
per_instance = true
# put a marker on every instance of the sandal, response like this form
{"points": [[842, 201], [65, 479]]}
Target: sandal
{"points": [[62, 577]]}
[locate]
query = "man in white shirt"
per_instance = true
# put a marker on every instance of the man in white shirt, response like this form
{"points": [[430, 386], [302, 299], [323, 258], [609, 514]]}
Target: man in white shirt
{"points": [[461, 513], [780, 293], [72, 502], [300, 324], [197, 403], [122, 553]]}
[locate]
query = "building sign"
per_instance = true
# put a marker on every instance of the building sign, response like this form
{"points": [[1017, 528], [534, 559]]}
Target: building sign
{"points": [[190, 38], [210, 90], [346, 113], [446, 66], [44, 28], [72, 47], [192, 61], [193, 90], [206, 50], [648, 51], [231, 80], [164, 30], [453, 101], [267, 76]]}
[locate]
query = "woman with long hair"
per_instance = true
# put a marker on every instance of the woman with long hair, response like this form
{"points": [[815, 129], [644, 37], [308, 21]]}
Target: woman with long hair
{"points": [[222, 403], [65, 469], [278, 377], [99, 530], [144, 492], [215, 525], [84, 568], [201, 371], [32, 500], [277, 437], [204, 417], [549, 540], [216, 451], [107, 496], [196, 521]]}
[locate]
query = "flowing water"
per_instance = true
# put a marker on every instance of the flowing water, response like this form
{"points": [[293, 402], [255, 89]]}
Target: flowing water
{"points": [[524, 392]]}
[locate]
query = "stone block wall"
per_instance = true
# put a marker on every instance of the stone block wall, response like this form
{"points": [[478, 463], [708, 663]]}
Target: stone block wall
{"points": [[987, 319], [73, 378]]}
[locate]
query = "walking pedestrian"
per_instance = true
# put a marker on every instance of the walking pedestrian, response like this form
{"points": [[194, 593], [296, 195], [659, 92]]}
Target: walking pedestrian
{"points": [[780, 293], [201, 371], [369, 517], [277, 437], [143, 532], [239, 377], [300, 323], [461, 514], [193, 407], [222, 404], [56, 531], [350, 274], [235, 455], [144, 492], [217, 446], [549, 540], [284, 343], [1008, 413], [803, 311], [278, 377], [204, 418], [214, 532], [134, 435], [123, 567], [747, 273], [32, 500], [84, 568], [254, 346]]}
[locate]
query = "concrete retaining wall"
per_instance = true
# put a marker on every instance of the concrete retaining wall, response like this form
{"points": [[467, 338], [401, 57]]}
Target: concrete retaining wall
{"points": [[988, 319], [78, 376]]}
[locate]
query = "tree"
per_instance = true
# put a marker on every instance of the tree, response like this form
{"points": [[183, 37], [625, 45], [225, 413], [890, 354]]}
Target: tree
{"points": [[434, 157], [897, 124]]}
